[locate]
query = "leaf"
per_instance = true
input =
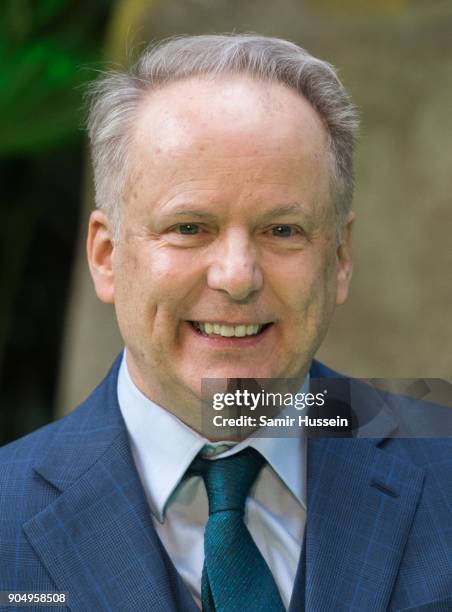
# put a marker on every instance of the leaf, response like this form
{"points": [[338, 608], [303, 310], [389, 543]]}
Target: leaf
{"points": [[40, 97]]}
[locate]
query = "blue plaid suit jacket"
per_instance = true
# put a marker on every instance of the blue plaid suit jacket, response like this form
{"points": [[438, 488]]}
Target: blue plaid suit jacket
{"points": [[74, 518]]}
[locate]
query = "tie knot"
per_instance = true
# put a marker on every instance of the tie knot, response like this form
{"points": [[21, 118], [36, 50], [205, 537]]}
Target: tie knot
{"points": [[229, 480]]}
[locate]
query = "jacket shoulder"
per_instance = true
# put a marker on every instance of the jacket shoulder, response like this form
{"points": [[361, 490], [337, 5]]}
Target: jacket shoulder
{"points": [[24, 450], [72, 440], [93, 414]]}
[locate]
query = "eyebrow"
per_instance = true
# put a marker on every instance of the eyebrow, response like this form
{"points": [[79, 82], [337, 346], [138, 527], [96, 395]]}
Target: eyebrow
{"points": [[278, 211], [285, 209], [193, 212]]}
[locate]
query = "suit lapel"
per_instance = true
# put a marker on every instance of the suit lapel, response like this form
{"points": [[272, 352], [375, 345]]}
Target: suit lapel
{"points": [[97, 540], [361, 503], [297, 601]]}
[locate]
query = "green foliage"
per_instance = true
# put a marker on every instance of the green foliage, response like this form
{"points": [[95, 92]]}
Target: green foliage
{"points": [[47, 51]]}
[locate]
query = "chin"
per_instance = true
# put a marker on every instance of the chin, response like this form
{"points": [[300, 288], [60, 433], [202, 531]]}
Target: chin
{"points": [[244, 371]]}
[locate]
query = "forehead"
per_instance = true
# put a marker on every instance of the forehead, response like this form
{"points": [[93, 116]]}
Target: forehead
{"points": [[231, 140], [235, 110]]}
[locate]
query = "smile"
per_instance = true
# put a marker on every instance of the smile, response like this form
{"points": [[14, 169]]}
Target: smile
{"points": [[228, 331]]}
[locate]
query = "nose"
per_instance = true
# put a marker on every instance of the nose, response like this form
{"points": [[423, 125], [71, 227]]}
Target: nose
{"points": [[234, 268]]}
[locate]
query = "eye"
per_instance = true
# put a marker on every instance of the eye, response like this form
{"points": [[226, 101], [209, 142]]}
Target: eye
{"points": [[284, 231], [187, 229]]}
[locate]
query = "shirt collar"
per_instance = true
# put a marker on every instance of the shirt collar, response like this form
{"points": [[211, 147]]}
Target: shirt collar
{"points": [[162, 465]]}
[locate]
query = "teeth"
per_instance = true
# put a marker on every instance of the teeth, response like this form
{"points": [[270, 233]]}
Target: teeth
{"points": [[228, 330], [240, 330]]}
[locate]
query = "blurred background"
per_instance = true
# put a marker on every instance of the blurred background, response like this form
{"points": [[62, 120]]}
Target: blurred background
{"points": [[395, 58]]}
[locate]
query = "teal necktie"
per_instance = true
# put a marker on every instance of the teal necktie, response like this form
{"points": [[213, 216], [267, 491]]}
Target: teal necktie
{"points": [[235, 576]]}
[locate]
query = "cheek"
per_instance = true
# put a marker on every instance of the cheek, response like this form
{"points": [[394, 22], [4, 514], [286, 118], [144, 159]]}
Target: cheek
{"points": [[153, 284], [141, 271], [131, 285], [323, 292], [309, 288]]}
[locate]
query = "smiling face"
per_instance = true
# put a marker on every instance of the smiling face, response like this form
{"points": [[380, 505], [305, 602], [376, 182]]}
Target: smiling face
{"points": [[227, 229]]}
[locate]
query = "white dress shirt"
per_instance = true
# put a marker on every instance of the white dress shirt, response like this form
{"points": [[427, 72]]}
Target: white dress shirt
{"points": [[163, 448]]}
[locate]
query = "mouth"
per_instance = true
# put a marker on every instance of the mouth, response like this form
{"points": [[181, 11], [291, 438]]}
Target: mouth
{"points": [[225, 330]]}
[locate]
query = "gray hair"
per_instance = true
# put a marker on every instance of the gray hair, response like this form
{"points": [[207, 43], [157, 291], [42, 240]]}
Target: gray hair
{"points": [[115, 97]]}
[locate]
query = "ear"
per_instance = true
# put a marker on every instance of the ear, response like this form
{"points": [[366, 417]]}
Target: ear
{"points": [[344, 260], [100, 248]]}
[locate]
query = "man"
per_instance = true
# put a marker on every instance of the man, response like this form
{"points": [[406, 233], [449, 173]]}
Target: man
{"points": [[222, 235]]}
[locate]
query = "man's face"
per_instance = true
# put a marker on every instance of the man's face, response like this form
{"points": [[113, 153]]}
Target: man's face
{"points": [[227, 228]]}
